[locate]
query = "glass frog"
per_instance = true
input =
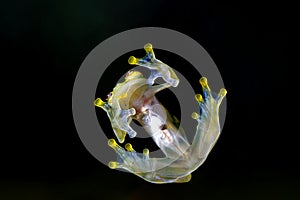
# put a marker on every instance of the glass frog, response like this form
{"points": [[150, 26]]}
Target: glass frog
{"points": [[135, 99]]}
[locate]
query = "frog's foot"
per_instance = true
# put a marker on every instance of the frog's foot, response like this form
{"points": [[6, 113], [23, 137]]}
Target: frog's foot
{"points": [[155, 170], [129, 159], [119, 119], [101, 104], [123, 120], [158, 68], [208, 128]]}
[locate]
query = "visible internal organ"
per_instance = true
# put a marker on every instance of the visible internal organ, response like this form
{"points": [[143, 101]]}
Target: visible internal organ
{"points": [[135, 99]]}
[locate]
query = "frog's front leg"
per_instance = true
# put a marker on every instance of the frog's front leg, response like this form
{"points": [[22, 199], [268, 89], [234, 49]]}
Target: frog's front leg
{"points": [[158, 88], [154, 74], [119, 118], [158, 68], [122, 120]]}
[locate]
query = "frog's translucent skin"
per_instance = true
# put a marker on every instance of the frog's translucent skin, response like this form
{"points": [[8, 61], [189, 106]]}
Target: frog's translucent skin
{"points": [[135, 99]]}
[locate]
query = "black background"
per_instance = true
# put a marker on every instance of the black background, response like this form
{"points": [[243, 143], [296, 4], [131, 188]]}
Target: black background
{"points": [[44, 44]]}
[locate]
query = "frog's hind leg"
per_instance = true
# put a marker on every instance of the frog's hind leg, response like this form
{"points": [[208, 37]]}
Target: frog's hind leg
{"points": [[208, 128]]}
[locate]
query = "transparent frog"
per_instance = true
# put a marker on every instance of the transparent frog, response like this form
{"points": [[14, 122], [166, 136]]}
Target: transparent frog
{"points": [[135, 99]]}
